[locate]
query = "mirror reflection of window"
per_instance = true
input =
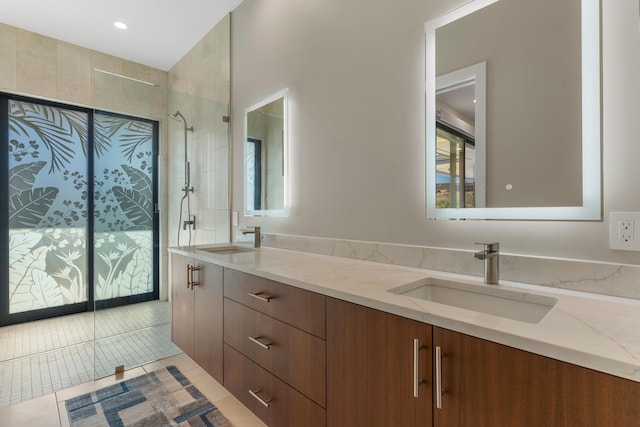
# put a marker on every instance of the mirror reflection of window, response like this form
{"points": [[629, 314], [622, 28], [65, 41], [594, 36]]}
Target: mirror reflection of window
{"points": [[253, 167], [265, 158], [455, 168]]}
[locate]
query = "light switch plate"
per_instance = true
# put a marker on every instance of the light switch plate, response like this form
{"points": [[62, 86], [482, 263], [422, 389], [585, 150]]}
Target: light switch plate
{"points": [[624, 231]]}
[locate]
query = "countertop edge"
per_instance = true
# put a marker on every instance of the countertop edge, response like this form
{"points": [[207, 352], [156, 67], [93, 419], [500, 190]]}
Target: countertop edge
{"points": [[567, 354]]}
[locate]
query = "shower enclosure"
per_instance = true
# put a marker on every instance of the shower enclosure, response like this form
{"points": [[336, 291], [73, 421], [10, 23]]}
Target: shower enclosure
{"points": [[93, 202]]}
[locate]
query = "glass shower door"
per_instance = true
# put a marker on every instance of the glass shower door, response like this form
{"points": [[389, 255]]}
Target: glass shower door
{"points": [[125, 239], [47, 211]]}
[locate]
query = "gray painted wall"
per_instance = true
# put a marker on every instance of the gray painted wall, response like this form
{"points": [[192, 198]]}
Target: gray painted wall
{"points": [[355, 73]]}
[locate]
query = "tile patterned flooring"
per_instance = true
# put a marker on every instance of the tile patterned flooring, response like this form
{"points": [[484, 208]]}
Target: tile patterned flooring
{"points": [[46, 356], [46, 362], [50, 410]]}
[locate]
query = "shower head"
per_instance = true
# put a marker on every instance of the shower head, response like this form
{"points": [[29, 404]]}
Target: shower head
{"points": [[178, 116]]}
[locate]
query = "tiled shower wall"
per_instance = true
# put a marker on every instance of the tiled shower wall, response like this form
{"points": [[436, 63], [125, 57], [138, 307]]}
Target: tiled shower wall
{"points": [[199, 88]]}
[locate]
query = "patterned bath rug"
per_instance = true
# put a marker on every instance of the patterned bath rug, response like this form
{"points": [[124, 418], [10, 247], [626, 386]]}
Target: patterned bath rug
{"points": [[161, 398]]}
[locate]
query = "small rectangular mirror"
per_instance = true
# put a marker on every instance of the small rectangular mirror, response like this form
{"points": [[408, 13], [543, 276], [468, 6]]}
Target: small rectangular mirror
{"points": [[266, 157]]}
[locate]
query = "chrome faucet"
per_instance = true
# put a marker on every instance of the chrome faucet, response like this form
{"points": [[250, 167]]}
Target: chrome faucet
{"points": [[491, 257], [256, 235]]}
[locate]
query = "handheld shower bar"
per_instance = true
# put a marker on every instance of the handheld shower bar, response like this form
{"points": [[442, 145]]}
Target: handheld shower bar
{"points": [[187, 167]]}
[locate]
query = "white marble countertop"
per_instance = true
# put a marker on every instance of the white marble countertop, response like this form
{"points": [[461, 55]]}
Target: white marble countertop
{"points": [[594, 331]]}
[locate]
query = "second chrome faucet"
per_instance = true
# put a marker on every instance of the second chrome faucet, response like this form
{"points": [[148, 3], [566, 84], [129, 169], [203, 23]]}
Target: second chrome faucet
{"points": [[491, 257], [256, 235]]}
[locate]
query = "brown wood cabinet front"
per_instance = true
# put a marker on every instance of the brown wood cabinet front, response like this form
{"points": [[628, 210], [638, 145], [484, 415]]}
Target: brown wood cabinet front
{"points": [[377, 373], [197, 316], [297, 307], [182, 320], [296, 357], [492, 385], [272, 400]]}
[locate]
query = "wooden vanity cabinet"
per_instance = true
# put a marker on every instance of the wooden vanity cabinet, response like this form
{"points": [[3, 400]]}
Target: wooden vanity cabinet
{"points": [[334, 363], [372, 378], [196, 312], [492, 385]]}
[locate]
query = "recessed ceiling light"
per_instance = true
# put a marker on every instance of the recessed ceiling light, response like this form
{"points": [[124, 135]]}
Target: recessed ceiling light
{"points": [[120, 25]]}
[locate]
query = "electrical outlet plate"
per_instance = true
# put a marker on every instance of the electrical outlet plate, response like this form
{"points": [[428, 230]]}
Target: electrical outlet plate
{"points": [[624, 231]]}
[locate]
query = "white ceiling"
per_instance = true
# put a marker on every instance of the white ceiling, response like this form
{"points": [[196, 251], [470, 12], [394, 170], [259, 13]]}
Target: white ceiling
{"points": [[160, 32]]}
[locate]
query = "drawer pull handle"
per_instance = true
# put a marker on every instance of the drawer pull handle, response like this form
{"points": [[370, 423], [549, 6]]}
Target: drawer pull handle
{"points": [[259, 399], [439, 390], [258, 295], [190, 280], [261, 344]]}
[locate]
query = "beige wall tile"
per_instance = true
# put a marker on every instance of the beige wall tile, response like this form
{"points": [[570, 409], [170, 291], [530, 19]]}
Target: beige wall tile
{"points": [[36, 75], [36, 45], [136, 71], [36, 64], [74, 77], [8, 57], [193, 82], [102, 61]]}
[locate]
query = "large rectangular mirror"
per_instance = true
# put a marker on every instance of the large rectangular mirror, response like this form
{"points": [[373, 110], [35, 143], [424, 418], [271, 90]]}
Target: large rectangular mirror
{"points": [[266, 157], [513, 111]]}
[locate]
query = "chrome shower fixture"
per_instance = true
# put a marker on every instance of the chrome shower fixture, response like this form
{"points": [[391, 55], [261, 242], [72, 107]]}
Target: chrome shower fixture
{"points": [[187, 189], [178, 116]]}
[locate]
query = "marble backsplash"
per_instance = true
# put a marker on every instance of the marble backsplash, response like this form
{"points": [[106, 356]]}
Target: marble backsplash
{"points": [[620, 280]]}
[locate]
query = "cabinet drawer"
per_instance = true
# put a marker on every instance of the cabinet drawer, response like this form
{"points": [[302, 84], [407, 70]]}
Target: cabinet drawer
{"points": [[298, 307], [286, 406], [294, 356]]}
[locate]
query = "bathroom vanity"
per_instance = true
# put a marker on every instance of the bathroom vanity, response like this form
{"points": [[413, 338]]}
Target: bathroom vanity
{"points": [[321, 341]]}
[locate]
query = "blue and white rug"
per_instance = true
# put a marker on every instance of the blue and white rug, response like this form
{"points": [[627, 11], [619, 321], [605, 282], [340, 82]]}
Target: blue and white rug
{"points": [[161, 398]]}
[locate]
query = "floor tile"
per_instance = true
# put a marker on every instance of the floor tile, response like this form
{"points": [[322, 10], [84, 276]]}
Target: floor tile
{"points": [[40, 412], [181, 361], [237, 413], [41, 357]]}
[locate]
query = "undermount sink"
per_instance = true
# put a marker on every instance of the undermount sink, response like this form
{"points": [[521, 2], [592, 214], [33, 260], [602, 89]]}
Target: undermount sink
{"points": [[227, 250], [511, 304]]}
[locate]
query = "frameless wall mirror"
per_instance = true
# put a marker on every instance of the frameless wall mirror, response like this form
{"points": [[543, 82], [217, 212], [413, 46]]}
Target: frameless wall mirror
{"points": [[513, 111], [265, 157]]}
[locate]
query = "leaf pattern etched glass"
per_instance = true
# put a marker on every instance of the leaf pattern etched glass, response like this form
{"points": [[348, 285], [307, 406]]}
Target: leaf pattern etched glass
{"points": [[123, 211], [47, 206]]}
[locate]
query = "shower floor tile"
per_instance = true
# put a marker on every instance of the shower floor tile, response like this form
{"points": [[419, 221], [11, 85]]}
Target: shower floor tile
{"points": [[42, 357]]}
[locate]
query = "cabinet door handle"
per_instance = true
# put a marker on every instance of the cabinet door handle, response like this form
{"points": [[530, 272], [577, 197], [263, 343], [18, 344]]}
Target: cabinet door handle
{"points": [[259, 296], [416, 369], [259, 399], [439, 378], [261, 344], [188, 276], [191, 279]]}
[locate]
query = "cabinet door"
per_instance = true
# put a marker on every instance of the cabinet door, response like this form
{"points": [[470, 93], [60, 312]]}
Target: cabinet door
{"points": [[370, 368], [207, 311], [488, 384], [181, 305]]}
